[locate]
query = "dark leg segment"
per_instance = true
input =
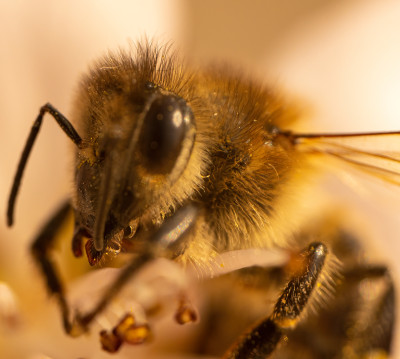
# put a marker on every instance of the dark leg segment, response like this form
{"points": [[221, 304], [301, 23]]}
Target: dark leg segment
{"points": [[263, 339], [40, 250], [66, 127]]}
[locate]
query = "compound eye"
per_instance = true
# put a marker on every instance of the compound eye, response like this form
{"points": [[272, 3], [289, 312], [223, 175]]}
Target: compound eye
{"points": [[164, 130]]}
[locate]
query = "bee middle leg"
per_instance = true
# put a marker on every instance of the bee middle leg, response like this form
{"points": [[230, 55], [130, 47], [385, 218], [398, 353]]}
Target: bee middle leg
{"points": [[261, 340]]}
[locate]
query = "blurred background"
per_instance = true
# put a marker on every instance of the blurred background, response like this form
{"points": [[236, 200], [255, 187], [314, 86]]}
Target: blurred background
{"points": [[340, 59]]}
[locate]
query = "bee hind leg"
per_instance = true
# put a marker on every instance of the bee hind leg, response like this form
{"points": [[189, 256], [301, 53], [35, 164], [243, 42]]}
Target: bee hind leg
{"points": [[262, 339], [370, 330]]}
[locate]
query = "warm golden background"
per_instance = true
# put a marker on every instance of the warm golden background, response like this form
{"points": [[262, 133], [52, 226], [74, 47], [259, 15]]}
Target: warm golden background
{"points": [[342, 58]]}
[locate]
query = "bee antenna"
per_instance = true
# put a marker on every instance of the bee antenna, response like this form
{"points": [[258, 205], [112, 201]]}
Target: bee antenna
{"points": [[65, 125]]}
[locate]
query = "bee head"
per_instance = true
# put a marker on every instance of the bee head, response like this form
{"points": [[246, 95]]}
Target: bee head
{"points": [[137, 158]]}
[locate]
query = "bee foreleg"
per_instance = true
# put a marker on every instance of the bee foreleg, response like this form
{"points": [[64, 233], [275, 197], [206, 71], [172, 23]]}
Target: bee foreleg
{"points": [[261, 340], [40, 251]]}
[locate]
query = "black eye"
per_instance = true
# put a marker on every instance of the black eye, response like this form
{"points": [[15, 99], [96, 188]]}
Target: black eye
{"points": [[164, 129]]}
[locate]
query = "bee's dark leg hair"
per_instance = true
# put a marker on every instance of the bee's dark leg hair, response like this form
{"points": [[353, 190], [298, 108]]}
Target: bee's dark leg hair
{"points": [[40, 250], [65, 125], [262, 339]]}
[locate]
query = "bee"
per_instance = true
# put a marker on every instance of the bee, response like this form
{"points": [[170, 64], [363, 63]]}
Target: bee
{"points": [[194, 165]]}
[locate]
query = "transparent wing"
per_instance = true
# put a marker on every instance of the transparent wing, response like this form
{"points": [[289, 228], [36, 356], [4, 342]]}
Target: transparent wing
{"points": [[377, 154]]}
